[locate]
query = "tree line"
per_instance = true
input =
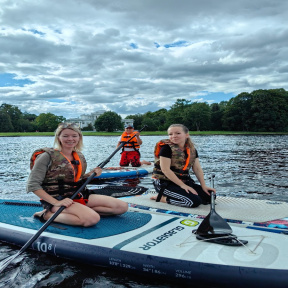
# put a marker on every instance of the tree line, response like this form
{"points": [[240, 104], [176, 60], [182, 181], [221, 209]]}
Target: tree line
{"points": [[258, 111]]}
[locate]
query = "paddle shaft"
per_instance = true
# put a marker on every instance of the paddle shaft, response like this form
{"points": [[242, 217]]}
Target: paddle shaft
{"points": [[51, 219]]}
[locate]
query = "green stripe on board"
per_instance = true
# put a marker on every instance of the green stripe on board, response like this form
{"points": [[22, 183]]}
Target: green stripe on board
{"points": [[134, 238]]}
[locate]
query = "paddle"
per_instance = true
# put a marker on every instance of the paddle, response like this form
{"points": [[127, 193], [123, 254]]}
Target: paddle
{"points": [[8, 260], [213, 223]]}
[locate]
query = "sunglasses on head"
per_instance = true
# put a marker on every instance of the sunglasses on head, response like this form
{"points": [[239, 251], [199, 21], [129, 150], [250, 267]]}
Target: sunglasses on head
{"points": [[68, 125]]}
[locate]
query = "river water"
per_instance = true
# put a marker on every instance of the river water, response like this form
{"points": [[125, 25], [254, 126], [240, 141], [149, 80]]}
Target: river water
{"points": [[245, 166]]}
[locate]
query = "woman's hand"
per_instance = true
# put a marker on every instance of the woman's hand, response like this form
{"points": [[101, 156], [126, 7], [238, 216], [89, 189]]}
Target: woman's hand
{"points": [[65, 202], [188, 189], [206, 189], [97, 171]]}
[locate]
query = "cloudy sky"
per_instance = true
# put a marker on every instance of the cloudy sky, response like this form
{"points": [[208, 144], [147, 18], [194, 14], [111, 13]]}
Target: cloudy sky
{"points": [[73, 57]]}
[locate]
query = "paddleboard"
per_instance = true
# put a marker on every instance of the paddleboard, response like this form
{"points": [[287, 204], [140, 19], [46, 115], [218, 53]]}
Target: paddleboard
{"points": [[155, 244], [250, 213], [125, 172]]}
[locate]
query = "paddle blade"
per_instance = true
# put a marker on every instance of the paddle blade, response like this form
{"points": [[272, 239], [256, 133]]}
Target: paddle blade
{"points": [[6, 262], [213, 223]]}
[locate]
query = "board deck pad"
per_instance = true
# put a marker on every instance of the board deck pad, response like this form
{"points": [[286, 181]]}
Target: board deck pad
{"points": [[241, 209], [21, 214]]}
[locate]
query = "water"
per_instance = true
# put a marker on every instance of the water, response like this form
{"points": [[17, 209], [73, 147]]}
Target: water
{"points": [[245, 166]]}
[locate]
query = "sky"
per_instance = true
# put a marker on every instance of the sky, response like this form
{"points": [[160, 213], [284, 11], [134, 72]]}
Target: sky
{"points": [[74, 57]]}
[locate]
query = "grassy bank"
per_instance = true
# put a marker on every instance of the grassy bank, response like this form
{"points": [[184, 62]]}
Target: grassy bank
{"points": [[143, 133]]}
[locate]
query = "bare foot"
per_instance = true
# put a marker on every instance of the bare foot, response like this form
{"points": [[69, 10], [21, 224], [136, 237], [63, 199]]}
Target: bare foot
{"points": [[163, 198], [42, 215], [145, 162], [39, 214]]}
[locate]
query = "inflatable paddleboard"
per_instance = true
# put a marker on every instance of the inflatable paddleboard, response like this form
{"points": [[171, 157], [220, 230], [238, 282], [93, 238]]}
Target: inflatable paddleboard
{"points": [[125, 172], [156, 244]]}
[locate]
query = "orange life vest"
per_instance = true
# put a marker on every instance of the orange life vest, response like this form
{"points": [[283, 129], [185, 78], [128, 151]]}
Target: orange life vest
{"points": [[61, 178], [132, 143], [180, 163]]}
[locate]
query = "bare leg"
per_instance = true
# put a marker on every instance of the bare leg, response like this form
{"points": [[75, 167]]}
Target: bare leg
{"points": [[106, 205], [76, 215], [145, 162]]}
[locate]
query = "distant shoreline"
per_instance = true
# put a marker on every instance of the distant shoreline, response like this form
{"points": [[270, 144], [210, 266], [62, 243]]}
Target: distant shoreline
{"points": [[143, 133]]}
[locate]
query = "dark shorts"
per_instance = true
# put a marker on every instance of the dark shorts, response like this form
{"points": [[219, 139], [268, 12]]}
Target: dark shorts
{"points": [[47, 206]]}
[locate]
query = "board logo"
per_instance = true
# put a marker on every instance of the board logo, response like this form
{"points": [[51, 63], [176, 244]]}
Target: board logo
{"points": [[190, 223]]}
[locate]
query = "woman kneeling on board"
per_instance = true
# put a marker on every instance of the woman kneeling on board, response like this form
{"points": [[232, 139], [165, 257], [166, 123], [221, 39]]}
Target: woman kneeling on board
{"points": [[173, 159], [56, 175]]}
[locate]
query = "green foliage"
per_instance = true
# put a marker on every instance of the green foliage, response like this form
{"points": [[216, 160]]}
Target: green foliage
{"points": [[175, 114], [217, 112], [108, 121], [269, 110], [89, 127], [138, 118], [48, 122], [196, 116], [14, 115], [5, 122]]}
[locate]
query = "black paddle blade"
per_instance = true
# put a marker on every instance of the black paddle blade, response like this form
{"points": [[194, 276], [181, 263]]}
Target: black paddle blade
{"points": [[213, 223], [119, 191]]}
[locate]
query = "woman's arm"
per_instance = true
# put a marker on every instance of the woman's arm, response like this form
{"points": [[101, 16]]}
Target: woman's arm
{"points": [[48, 198], [36, 178]]}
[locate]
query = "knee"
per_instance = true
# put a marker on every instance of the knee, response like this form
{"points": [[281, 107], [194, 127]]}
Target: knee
{"points": [[91, 221], [196, 202], [121, 208]]}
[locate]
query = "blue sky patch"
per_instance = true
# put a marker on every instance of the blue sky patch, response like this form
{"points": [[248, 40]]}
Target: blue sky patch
{"points": [[217, 97], [56, 100], [181, 43], [134, 45], [8, 80], [157, 44]]}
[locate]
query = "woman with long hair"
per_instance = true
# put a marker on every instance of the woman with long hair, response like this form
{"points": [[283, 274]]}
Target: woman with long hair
{"points": [[173, 159]]}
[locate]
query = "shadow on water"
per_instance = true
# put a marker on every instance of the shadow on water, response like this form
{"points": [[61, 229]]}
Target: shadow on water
{"points": [[245, 166]]}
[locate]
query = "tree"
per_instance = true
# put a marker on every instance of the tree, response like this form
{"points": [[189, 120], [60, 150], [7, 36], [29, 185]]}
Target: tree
{"points": [[138, 118], [5, 122], [108, 121], [217, 112], [89, 127], [175, 114], [15, 115], [197, 116], [269, 110], [48, 122], [237, 115]]}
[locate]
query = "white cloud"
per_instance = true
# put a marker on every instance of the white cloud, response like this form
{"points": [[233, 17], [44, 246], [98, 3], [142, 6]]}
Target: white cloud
{"points": [[83, 56]]}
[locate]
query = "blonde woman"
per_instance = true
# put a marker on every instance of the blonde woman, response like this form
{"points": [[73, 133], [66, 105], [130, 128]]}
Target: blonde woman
{"points": [[173, 159], [57, 173]]}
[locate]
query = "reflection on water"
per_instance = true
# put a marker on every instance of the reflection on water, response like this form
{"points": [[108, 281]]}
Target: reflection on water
{"points": [[245, 166]]}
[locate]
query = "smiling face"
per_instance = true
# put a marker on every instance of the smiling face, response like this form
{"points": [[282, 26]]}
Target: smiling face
{"points": [[68, 138], [177, 136]]}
